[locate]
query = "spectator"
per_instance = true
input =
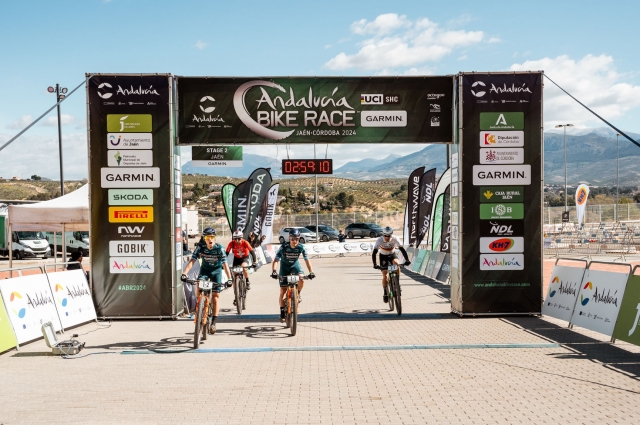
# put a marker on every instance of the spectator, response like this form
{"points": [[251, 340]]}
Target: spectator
{"points": [[76, 256], [341, 238]]}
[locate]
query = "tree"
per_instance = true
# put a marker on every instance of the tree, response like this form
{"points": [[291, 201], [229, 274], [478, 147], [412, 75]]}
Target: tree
{"points": [[636, 198], [301, 197], [35, 177]]}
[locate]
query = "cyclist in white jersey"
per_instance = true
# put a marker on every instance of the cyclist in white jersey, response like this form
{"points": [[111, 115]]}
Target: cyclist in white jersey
{"points": [[386, 244]]}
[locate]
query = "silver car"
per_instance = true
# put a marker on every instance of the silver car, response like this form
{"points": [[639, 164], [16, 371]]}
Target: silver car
{"points": [[306, 235]]}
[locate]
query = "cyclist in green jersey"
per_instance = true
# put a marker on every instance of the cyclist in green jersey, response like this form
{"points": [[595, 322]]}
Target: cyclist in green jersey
{"points": [[288, 256], [214, 259]]}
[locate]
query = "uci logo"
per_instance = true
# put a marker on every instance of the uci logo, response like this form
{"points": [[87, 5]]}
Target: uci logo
{"points": [[480, 93], [106, 95], [208, 109]]}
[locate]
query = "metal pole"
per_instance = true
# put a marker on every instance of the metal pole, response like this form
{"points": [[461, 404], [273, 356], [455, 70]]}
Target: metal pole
{"points": [[617, 177], [60, 139], [565, 167], [317, 202]]}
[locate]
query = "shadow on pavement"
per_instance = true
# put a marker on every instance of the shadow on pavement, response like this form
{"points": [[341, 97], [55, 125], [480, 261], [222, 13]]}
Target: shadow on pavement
{"points": [[172, 342], [581, 346], [444, 291]]}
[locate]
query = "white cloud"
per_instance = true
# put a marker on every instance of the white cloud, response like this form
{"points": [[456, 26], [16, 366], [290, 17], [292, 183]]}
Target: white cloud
{"points": [[418, 42], [327, 46], [593, 80], [200, 45], [382, 25], [494, 40], [20, 123], [35, 154], [65, 119]]}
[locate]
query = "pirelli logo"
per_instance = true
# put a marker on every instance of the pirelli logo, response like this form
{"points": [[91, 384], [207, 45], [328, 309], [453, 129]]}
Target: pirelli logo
{"points": [[130, 214]]}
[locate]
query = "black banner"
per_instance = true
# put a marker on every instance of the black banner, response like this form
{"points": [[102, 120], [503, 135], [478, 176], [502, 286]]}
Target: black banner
{"points": [[241, 195], [502, 110], [427, 191], [260, 217], [132, 194], [261, 182], [445, 239], [413, 205], [314, 110]]}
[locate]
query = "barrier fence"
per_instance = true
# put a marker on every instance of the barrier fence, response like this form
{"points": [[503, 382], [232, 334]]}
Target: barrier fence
{"points": [[26, 302], [604, 301]]}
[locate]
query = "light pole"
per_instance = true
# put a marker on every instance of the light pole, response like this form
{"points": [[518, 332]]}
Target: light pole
{"points": [[564, 126], [60, 94], [617, 177]]}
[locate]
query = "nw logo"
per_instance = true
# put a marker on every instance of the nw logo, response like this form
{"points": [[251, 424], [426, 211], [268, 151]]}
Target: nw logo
{"points": [[130, 229]]}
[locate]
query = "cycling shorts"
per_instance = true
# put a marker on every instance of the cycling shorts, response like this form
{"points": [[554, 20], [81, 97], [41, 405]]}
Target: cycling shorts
{"points": [[238, 261], [286, 270], [216, 277], [386, 260]]}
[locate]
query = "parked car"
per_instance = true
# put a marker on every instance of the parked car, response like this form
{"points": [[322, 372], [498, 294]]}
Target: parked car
{"points": [[327, 233], [371, 230], [306, 235]]}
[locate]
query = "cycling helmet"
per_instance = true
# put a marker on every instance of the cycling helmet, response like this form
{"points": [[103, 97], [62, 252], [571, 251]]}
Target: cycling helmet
{"points": [[387, 231], [237, 234], [209, 231], [294, 233]]}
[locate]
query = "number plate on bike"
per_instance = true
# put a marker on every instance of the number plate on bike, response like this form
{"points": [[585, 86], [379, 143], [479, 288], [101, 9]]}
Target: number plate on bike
{"points": [[392, 268], [293, 279], [205, 284], [237, 269]]}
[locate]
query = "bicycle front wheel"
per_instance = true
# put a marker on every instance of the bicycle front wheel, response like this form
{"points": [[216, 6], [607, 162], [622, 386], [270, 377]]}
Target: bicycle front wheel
{"points": [[244, 294], [397, 295], [288, 307], [237, 289], [199, 315], [391, 293], [294, 312]]}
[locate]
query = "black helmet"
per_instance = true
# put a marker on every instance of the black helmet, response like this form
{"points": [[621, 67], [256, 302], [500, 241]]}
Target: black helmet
{"points": [[209, 231], [295, 233]]}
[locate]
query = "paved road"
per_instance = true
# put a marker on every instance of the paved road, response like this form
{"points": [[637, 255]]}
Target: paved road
{"points": [[351, 362]]}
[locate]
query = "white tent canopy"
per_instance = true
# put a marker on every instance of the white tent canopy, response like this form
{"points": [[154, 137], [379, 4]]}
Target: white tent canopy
{"points": [[70, 211]]}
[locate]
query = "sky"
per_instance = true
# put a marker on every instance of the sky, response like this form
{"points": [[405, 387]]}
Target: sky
{"points": [[589, 48]]}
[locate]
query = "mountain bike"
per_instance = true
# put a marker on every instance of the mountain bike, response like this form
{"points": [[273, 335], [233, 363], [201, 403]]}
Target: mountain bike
{"points": [[291, 301], [204, 304], [393, 286], [240, 287]]}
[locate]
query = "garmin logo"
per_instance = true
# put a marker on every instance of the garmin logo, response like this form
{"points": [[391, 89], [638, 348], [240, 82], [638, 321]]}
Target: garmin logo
{"points": [[144, 177]]}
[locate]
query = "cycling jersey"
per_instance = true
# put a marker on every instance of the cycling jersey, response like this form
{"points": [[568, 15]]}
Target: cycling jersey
{"points": [[387, 247], [212, 259], [241, 249], [288, 257]]}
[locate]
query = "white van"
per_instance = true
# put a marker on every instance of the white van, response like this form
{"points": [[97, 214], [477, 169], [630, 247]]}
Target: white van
{"points": [[21, 244], [75, 241]]}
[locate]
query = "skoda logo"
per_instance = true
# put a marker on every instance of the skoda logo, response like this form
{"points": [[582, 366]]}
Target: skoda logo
{"points": [[480, 93], [105, 95], [208, 109]]}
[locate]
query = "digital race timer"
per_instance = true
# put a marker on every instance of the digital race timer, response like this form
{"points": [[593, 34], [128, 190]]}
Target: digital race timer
{"points": [[307, 166]]}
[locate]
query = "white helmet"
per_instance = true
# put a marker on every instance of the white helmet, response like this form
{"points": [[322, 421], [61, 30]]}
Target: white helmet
{"points": [[237, 234], [387, 231]]}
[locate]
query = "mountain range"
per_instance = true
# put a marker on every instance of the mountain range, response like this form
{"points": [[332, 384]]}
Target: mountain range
{"points": [[591, 159]]}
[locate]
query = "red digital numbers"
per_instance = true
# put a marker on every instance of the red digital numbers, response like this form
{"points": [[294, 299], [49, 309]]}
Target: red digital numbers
{"points": [[307, 166]]}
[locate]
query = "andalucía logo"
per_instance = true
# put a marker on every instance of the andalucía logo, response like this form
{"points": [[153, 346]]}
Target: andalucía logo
{"points": [[20, 313], [63, 301], [583, 299], [553, 292], [133, 265]]}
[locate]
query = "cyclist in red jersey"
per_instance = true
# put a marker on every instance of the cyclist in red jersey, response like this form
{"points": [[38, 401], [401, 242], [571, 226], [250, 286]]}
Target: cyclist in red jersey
{"points": [[241, 252]]}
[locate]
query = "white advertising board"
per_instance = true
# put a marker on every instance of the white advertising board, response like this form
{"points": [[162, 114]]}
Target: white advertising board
{"points": [[496, 139], [599, 300], [338, 248], [501, 175], [129, 141], [502, 156], [29, 304], [130, 158], [72, 296], [563, 291], [501, 245], [501, 262], [120, 265], [132, 248], [130, 177]]}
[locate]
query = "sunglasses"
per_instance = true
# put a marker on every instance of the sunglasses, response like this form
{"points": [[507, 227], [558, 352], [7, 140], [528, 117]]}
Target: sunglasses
{"points": [[293, 238], [386, 236], [209, 238]]}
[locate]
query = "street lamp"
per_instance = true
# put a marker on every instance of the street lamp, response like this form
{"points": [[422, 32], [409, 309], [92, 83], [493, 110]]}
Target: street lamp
{"points": [[617, 177], [564, 126], [60, 94]]}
